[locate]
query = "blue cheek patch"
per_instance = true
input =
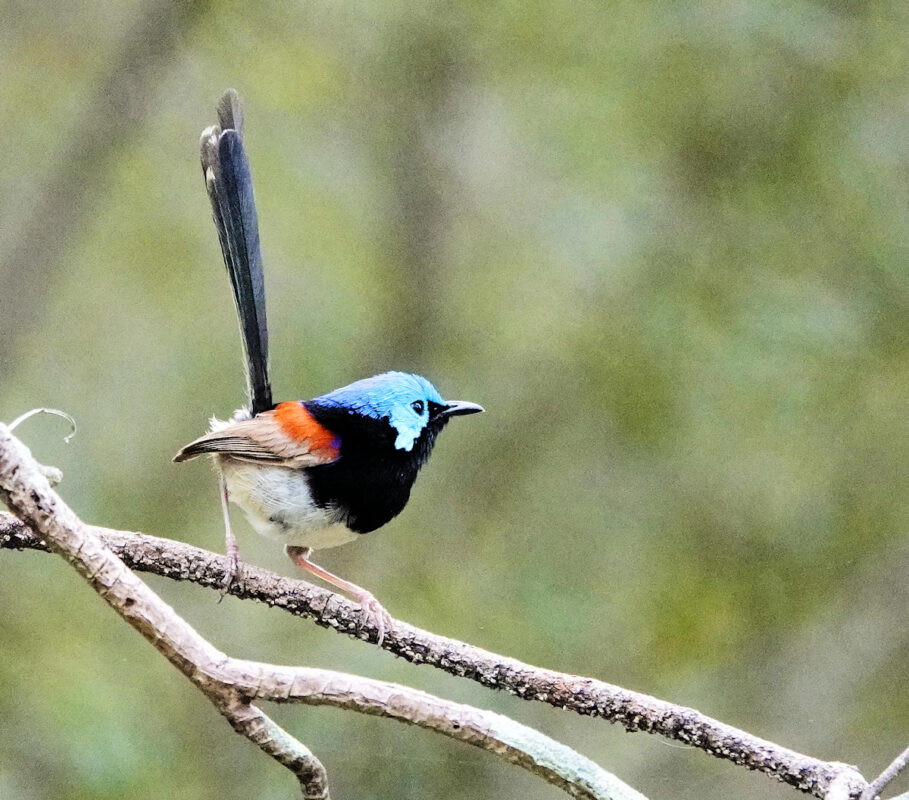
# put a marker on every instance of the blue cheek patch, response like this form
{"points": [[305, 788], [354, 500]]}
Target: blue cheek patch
{"points": [[388, 396], [408, 425]]}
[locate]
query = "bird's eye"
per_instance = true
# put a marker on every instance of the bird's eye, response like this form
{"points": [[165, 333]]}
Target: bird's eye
{"points": [[417, 405]]}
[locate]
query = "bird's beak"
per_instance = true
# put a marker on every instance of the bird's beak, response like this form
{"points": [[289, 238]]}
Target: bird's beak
{"points": [[454, 408]]}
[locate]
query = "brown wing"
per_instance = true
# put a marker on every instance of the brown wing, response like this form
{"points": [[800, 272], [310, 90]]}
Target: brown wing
{"points": [[285, 436]]}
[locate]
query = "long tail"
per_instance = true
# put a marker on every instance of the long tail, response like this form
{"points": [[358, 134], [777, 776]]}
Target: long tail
{"points": [[229, 184]]}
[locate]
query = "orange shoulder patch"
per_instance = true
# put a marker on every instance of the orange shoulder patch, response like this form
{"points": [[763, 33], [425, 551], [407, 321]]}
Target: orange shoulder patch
{"points": [[302, 427]]}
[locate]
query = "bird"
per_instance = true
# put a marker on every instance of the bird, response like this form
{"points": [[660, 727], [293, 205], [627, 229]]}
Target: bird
{"points": [[311, 474]]}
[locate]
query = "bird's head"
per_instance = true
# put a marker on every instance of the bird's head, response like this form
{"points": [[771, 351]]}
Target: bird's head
{"points": [[409, 405]]}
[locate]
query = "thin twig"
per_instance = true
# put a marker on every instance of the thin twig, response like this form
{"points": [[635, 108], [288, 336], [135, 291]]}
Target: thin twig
{"points": [[231, 684], [883, 780], [55, 412], [251, 722]]}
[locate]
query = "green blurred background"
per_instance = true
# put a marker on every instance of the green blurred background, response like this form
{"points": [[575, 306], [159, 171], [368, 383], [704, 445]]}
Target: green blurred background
{"points": [[664, 244]]}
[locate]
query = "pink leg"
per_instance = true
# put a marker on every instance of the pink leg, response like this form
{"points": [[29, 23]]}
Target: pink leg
{"points": [[230, 543], [373, 611]]}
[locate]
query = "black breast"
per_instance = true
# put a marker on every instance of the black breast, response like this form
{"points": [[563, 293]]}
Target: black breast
{"points": [[370, 482]]}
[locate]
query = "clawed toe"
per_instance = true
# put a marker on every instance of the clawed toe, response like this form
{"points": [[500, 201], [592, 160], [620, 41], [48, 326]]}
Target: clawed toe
{"points": [[231, 573], [374, 613]]}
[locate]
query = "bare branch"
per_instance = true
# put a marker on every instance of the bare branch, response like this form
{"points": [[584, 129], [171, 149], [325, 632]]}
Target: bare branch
{"points": [[883, 780], [633, 710], [523, 746], [231, 684], [251, 722]]}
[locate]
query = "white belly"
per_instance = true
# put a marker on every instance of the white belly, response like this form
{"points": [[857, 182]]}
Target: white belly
{"points": [[278, 504]]}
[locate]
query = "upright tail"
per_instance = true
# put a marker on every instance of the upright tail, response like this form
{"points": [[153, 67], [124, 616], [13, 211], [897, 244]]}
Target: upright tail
{"points": [[229, 184]]}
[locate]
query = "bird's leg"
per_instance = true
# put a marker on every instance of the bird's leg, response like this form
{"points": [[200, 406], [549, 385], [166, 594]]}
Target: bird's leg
{"points": [[230, 544], [373, 611]]}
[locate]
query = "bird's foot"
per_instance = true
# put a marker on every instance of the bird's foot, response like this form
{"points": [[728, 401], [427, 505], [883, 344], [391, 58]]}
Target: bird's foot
{"points": [[231, 571], [373, 613]]}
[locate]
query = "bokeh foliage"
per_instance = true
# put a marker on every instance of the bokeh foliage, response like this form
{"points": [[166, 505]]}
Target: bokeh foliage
{"points": [[665, 244]]}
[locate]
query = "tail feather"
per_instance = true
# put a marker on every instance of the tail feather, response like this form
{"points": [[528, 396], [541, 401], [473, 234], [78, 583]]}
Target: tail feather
{"points": [[230, 189], [230, 111]]}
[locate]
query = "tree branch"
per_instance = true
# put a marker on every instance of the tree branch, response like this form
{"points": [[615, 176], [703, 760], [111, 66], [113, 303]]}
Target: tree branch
{"points": [[231, 684], [883, 780], [633, 710], [255, 725]]}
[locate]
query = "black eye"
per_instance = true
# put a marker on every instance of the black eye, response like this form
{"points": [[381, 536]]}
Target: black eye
{"points": [[417, 405]]}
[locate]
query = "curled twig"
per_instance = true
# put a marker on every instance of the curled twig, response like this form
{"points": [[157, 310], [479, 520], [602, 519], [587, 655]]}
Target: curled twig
{"points": [[54, 411]]}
